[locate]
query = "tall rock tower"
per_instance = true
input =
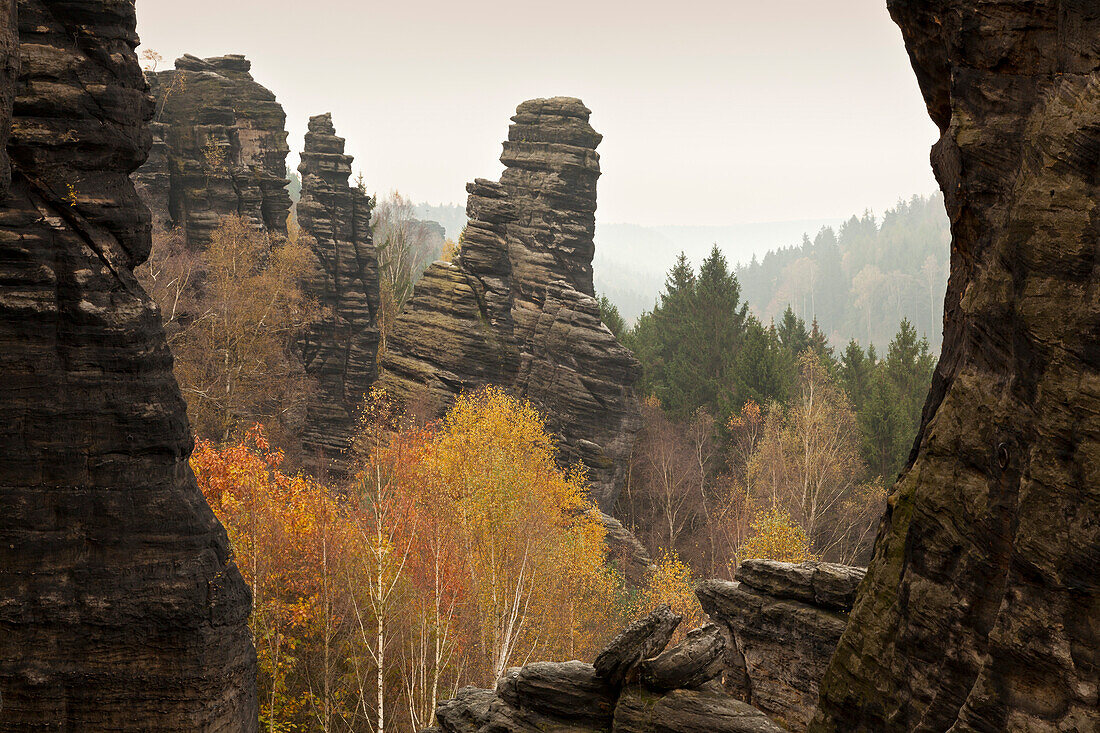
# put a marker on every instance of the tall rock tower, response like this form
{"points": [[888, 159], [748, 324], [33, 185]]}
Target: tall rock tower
{"points": [[981, 607], [517, 309], [219, 148], [120, 606], [341, 351]]}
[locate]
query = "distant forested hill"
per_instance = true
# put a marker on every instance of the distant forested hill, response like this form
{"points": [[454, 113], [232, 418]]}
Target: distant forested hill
{"points": [[451, 216], [862, 278]]}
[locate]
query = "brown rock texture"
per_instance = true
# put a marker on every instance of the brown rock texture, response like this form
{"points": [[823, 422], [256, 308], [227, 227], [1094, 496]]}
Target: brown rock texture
{"points": [[219, 148], [981, 608], [341, 350], [784, 621], [517, 309], [671, 691], [120, 606]]}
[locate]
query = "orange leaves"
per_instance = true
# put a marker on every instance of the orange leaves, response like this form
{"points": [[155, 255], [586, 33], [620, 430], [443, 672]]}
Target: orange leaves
{"points": [[291, 538]]}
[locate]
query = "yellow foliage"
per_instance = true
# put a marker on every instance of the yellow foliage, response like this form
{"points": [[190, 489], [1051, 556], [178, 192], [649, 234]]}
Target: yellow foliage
{"points": [[672, 584], [535, 550], [233, 343], [776, 537]]}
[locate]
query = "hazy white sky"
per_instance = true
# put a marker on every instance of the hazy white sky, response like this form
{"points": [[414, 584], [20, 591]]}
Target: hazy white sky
{"points": [[712, 111]]}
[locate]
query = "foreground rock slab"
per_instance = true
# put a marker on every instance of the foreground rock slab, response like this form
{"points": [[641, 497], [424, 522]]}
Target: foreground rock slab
{"points": [[687, 711], [981, 608], [641, 640], [785, 621]]}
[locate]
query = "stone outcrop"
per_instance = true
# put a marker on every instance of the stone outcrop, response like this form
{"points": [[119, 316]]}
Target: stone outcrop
{"points": [[641, 640], [615, 693], [981, 608], [219, 148], [698, 659], [517, 309], [120, 606], [784, 622], [341, 350]]}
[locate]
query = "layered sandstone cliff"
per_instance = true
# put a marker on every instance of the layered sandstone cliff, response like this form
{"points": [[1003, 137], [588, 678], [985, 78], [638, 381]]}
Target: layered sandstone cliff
{"points": [[120, 606], [219, 148], [517, 308], [341, 350], [981, 608]]}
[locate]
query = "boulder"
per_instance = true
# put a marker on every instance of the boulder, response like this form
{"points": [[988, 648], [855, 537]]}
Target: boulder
{"points": [[570, 691], [981, 607], [687, 711], [698, 659], [503, 718], [643, 639], [467, 712], [822, 584], [781, 647]]}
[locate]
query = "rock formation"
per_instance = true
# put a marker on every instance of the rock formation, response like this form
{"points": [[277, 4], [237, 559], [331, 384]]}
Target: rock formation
{"points": [[341, 351], [981, 608], [219, 148], [617, 693], [120, 606], [517, 309], [784, 623]]}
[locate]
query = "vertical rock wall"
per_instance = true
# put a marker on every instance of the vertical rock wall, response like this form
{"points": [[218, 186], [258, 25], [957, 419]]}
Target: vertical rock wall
{"points": [[341, 351], [981, 608], [518, 310], [219, 148], [120, 606]]}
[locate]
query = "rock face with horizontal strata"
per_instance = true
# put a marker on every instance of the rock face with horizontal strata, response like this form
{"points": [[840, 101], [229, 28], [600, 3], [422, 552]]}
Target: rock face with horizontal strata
{"points": [[120, 606], [517, 309], [784, 621], [981, 606], [341, 350], [219, 148]]}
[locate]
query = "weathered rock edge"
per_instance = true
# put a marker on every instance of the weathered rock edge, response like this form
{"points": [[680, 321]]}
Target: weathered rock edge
{"points": [[771, 646]]}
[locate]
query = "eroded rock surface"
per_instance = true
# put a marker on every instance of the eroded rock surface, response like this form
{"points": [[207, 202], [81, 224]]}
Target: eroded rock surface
{"points": [[981, 605], [641, 640], [517, 309], [635, 686], [688, 711], [784, 621], [219, 148], [120, 606], [341, 350]]}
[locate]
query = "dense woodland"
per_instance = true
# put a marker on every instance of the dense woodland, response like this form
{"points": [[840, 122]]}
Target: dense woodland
{"points": [[456, 548], [860, 280], [742, 416]]}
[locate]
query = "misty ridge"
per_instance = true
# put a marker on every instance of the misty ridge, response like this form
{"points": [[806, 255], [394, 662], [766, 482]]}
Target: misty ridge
{"points": [[859, 277]]}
